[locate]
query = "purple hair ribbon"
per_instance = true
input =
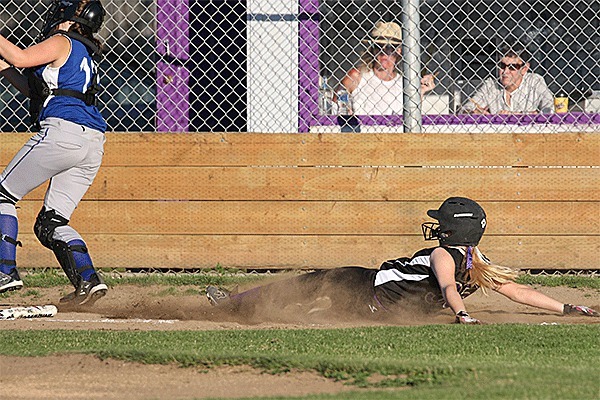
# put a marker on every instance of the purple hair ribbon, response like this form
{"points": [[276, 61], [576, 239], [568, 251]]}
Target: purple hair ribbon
{"points": [[469, 257]]}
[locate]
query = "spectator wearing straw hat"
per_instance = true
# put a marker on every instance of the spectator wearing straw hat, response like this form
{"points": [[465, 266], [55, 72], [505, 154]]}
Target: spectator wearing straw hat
{"points": [[376, 83]]}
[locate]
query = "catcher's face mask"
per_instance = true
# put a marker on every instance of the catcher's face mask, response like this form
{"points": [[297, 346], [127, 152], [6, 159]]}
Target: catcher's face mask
{"points": [[59, 12]]}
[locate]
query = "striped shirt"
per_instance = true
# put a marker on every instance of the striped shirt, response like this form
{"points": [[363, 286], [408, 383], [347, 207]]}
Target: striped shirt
{"points": [[411, 279]]}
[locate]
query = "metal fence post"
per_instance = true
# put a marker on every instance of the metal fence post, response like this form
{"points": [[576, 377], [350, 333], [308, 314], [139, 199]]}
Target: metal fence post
{"points": [[411, 66]]}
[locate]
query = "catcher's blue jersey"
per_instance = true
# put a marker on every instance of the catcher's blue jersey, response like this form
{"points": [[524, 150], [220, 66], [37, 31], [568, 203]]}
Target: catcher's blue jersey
{"points": [[75, 74]]}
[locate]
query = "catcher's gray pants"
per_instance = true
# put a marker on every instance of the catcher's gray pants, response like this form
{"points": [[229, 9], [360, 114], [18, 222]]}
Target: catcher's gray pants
{"points": [[67, 154]]}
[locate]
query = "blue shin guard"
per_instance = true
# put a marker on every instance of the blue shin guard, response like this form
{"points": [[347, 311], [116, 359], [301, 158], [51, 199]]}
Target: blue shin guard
{"points": [[83, 261], [9, 228], [74, 259]]}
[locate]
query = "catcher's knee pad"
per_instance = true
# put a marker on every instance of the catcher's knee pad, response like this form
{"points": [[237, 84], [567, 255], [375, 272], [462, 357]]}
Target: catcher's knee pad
{"points": [[74, 259], [45, 224]]}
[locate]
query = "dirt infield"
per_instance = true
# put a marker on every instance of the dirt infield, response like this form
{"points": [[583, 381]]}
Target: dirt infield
{"points": [[157, 308]]}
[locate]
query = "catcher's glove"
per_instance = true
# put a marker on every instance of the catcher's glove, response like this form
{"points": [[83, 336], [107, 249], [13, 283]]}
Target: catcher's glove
{"points": [[570, 309], [463, 317]]}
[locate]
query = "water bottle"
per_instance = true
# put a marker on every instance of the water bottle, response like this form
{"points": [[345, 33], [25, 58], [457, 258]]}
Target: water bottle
{"points": [[325, 97], [457, 96], [344, 101]]}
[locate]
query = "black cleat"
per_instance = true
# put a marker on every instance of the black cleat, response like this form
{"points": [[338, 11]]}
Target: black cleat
{"points": [[11, 281], [216, 296], [87, 292]]}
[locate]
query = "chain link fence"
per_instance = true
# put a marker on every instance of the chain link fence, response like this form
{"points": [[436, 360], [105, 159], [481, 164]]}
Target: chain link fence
{"points": [[259, 66]]}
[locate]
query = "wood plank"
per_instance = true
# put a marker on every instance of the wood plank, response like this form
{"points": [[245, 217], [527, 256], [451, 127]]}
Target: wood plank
{"points": [[342, 183], [349, 149], [307, 252], [315, 218], [371, 149], [298, 201]]}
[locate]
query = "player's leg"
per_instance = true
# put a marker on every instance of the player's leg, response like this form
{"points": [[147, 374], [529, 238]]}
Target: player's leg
{"points": [[27, 170], [45, 154], [352, 292], [64, 193], [272, 300], [9, 275], [345, 292], [72, 254]]}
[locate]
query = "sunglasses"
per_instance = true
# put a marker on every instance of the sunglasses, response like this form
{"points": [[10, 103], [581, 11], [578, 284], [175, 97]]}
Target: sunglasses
{"points": [[512, 67], [387, 49]]}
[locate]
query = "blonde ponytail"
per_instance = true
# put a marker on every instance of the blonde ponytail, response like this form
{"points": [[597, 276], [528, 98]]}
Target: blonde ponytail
{"points": [[484, 273]]}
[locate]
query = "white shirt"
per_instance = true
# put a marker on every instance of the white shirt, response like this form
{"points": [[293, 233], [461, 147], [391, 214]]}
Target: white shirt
{"points": [[531, 95], [373, 96]]}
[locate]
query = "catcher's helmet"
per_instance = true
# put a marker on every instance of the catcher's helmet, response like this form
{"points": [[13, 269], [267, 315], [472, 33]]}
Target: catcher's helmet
{"points": [[461, 222], [90, 18]]}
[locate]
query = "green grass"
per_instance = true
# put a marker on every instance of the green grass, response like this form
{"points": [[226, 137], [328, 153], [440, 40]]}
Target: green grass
{"points": [[573, 281], [504, 361], [445, 361], [53, 277]]}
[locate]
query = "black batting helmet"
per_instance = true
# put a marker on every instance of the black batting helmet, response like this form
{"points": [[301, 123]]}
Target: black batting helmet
{"points": [[461, 222], [90, 18]]}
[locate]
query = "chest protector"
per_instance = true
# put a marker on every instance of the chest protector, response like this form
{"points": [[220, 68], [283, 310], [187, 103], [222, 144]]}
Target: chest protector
{"points": [[39, 90]]}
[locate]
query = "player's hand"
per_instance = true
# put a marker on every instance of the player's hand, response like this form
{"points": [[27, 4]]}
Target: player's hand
{"points": [[427, 83], [463, 317], [478, 110], [570, 309]]}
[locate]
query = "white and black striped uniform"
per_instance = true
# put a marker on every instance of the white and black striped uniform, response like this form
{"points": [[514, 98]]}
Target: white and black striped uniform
{"points": [[411, 280], [403, 283]]}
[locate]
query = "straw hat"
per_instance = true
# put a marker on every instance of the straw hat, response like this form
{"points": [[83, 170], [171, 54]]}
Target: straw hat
{"points": [[386, 33]]}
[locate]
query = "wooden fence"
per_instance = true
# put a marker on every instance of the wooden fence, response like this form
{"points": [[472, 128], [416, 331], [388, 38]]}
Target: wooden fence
{"points": [[324, 200]]}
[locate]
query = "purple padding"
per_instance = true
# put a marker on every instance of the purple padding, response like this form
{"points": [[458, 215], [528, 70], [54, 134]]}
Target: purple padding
{"points": [[466, 119], [308, 62], [173, 27], [172, 85], [172, 98]]}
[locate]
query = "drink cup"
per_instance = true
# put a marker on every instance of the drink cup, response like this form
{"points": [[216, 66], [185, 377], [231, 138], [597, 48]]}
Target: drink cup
{"points": [[561, 104]]}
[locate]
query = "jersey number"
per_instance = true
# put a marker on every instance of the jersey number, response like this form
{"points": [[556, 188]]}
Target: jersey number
{"points": [[87, 69]]}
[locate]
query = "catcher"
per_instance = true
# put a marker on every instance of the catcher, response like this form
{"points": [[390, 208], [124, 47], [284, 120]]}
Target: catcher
{"points": [[61, 82], [432, 279]]}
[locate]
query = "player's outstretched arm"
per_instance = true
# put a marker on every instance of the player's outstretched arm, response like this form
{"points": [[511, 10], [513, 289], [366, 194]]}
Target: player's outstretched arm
{"points": [[527, 295]]}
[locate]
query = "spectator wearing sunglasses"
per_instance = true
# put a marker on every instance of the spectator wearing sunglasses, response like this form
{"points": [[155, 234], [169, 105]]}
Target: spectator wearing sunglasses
{"points": [[515, 90], [376, 83]]}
